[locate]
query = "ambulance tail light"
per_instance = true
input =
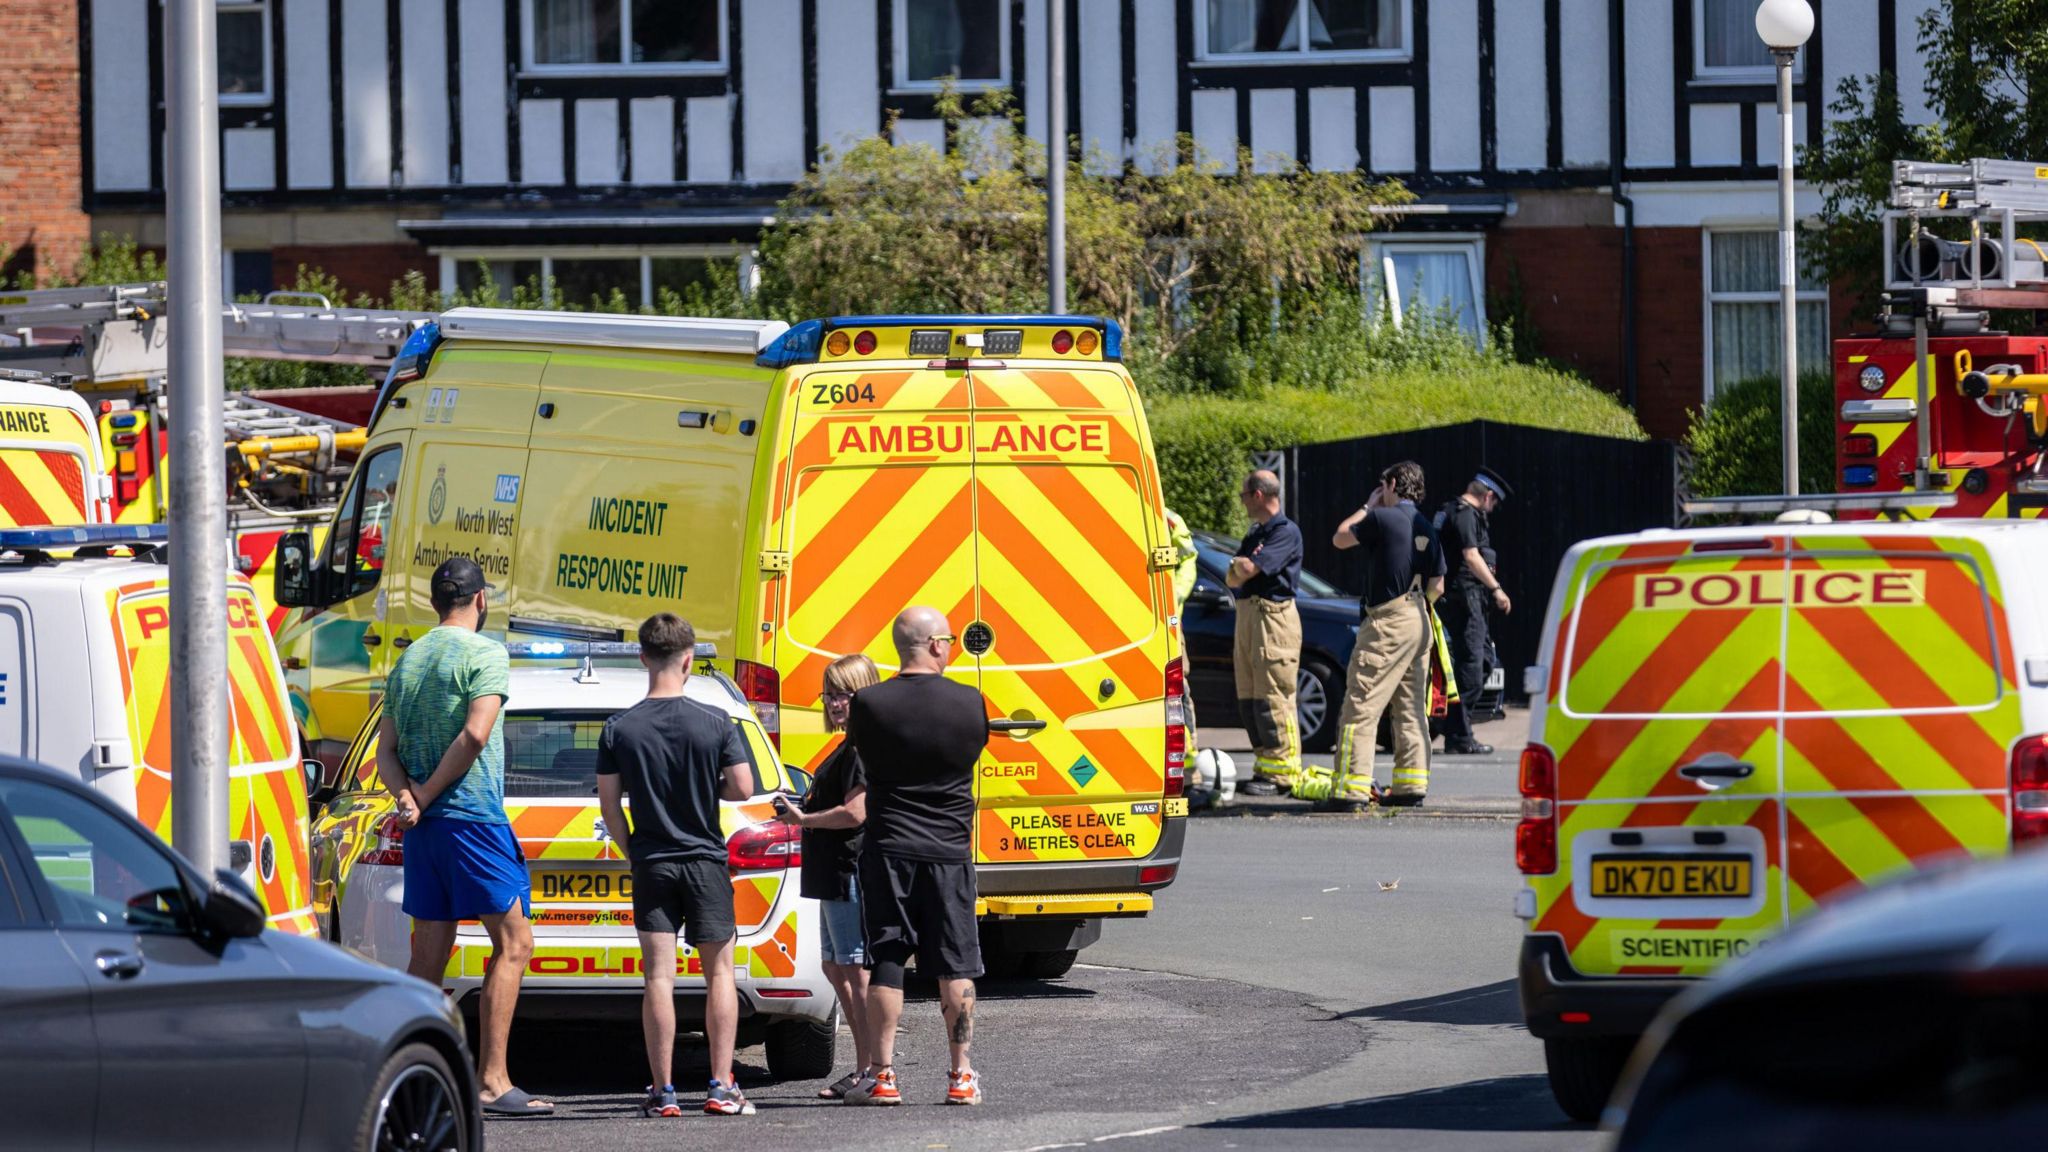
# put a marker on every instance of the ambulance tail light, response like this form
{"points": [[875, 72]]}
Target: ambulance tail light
{"points": [[2030, 790], [864, 343], [762, 687], [387, 845], [1176, 727], [770, 845], [1536, 835]]}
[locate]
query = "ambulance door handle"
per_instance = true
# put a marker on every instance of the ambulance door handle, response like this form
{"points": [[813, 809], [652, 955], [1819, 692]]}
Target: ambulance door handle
{"points": [[1016, 725], [402, 643], [371, 640], [1716, 770]]}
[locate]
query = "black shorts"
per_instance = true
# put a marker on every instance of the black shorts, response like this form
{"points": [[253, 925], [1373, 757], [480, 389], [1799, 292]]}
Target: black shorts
{"points": [[920, 908], [690, 896]]}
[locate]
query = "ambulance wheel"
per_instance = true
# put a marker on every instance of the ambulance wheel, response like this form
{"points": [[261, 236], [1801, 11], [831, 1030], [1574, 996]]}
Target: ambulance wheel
{"points": [[415, 1093], [1318, 697], [801, 1049], [1049, 965], [1584, 1071]]}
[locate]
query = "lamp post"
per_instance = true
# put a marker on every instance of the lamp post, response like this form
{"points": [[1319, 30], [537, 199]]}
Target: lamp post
{"points": [[1784, 25], [1056, 157]]}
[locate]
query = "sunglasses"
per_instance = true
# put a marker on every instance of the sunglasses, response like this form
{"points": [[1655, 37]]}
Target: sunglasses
{"points": [[838, 695], [946, 636]]}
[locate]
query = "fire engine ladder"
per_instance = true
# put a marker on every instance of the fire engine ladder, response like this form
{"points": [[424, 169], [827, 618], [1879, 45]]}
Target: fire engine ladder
{"points": [[260, 432], [1948, 284], [284, 326]]}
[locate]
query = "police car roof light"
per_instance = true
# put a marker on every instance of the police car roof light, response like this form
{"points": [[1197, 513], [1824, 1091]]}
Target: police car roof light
{"points": [[589, 649], [1889, 503], [44, 539]]}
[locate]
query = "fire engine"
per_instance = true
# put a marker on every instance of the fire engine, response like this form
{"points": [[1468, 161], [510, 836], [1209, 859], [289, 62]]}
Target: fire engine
{"points": [[289, 453], [1938, 400]]}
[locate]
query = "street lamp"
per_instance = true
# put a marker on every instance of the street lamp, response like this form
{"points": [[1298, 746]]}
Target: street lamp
{"points": [[1784, 25]]}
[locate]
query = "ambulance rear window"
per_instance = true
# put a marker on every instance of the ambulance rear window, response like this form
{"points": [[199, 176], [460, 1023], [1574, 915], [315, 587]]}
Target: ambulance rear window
{"points": [[553, 755], [1888, 631]]}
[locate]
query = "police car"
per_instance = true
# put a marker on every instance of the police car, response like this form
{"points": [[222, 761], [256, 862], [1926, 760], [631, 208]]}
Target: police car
{"points": [[586, 958]]}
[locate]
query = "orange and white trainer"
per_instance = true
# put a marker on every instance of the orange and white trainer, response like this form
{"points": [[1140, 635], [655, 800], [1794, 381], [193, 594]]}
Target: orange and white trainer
{"points": [[878, 1089], [963, 1087]]}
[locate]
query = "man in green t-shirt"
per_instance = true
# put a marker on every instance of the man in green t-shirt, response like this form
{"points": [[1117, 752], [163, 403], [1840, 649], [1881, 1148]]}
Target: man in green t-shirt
{"points": [[441, 754]]}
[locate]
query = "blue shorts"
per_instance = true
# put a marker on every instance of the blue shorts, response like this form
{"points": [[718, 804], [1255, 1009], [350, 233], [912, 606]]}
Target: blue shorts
{"points": [[840, 940], [463, 870]]}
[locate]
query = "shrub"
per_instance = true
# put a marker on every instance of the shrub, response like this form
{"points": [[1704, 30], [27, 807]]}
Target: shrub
{"points": [[1736, 442], [1204, 441]]}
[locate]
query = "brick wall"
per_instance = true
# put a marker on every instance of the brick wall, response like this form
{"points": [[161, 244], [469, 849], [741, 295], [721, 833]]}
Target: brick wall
{"points": [[361, 268], [1569, 283], [42, 191]]}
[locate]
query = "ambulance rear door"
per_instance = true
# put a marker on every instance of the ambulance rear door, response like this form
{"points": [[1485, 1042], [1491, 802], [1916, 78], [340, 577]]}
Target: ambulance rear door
{"points": [[1900, 709], [875, 512], [1070, 634], [1663, 717], [51, 471]]}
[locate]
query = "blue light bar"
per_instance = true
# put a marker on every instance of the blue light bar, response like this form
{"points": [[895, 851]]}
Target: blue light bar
{"points": [[595, 649], [802, 343], [799, 345], [50, 537]]}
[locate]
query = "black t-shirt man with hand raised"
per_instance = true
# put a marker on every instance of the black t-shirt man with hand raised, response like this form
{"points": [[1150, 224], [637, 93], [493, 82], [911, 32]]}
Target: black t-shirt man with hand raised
{"points": [[676, 759], [920, 737]]}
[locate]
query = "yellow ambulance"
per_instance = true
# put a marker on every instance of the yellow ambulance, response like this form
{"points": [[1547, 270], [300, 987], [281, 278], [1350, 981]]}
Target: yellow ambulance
{"points": [[85, 617], [1732, 726], [789, 489]]}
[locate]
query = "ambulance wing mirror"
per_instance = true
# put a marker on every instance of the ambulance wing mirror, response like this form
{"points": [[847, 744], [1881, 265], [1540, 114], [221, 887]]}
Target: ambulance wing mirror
{"points": [[293, 579]]}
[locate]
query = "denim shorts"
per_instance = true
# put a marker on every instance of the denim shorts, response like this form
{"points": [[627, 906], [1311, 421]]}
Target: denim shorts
{"points": [[840, 940]]}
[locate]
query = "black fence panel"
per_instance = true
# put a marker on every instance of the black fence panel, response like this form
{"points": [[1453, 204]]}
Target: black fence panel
{"points": [[1568, 487]]}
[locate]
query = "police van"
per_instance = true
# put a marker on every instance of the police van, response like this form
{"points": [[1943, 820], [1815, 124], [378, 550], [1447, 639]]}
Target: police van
{"points": [[1733, 726], [790, 490], [85, 618]]}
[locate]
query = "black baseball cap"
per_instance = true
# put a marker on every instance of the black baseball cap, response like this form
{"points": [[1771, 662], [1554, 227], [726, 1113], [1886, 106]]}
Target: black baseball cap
{"points": [[458, 577]]}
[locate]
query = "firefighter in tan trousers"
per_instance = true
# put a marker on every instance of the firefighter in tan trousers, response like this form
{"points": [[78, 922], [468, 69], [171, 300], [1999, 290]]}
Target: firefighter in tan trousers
{"points": [[1404, 572], [1266, 654]]}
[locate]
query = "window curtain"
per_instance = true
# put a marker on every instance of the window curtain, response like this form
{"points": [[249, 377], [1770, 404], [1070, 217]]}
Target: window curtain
{"points": [[1729, 28], [1746, 340], [1435, 284], [1253, 26], [576, 32]]}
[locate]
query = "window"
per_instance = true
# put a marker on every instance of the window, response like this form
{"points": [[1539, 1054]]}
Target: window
{"points": [[356, 544], [1742, 309], [643, 35], [1726, 48], [1276, 31], [1419, 278], [103, 873], [588, 278], [968, 40], [554, 755], [242, 45]]}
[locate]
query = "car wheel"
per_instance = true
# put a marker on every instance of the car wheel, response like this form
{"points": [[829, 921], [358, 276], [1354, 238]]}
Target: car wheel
{"points": [[415, 1105], [801, 1049], [1049, 965], [1584, 1071], [1318, 695]]}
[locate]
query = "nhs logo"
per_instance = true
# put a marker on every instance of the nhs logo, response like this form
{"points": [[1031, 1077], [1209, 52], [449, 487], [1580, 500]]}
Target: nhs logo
{"points": [[508, 489]]}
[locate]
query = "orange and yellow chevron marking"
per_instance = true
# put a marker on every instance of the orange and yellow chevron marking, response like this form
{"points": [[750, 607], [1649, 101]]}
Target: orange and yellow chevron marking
{"points": [[774, 958], [41, 487], [1867, 680]]}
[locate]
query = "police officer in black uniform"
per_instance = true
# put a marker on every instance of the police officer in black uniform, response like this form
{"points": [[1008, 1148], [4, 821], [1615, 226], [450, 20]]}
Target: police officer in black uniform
{"points": [[1469, 591]]}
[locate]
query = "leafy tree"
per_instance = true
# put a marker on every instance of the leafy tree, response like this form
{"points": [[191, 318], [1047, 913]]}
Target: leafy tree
{"points": [[1985, 61], [1197, 263]]}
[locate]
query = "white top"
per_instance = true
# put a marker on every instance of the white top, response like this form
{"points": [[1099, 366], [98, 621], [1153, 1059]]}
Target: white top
{"points": [[616, 688]]}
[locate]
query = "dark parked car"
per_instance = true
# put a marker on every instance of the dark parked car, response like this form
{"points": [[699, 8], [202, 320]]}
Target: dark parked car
{"points": [[1329, 628], [144, 1006], [1914, 1016]]}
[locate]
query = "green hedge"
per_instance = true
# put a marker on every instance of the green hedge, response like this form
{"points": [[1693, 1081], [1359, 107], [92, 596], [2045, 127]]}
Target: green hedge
{"points": [[1736, 442], [1204, 441]]}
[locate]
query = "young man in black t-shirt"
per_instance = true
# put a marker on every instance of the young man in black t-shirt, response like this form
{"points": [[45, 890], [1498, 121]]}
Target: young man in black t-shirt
{"points": [[676, 759], [919, 736]]}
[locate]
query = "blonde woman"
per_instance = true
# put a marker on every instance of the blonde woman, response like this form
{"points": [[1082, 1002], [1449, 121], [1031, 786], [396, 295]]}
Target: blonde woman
{"points": [[833, 812]]}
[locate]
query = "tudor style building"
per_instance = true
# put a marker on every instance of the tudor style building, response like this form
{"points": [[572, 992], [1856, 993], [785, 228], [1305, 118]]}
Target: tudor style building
{"points": [[1559, 144]]}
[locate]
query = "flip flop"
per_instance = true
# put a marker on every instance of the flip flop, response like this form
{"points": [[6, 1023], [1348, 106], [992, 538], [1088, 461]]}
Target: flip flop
{"points": [[516, 1102]]}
